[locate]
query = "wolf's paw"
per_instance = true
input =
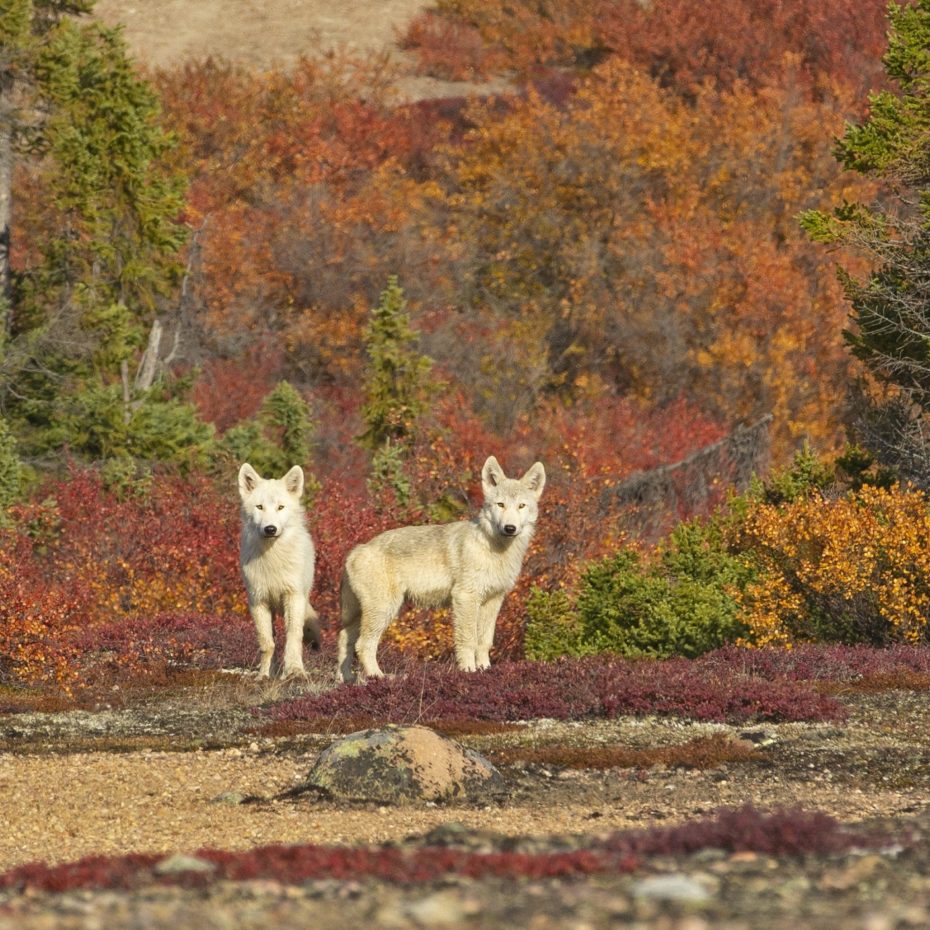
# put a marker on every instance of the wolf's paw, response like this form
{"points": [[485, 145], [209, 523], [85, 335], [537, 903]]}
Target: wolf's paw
{"points": [[291, 672]]}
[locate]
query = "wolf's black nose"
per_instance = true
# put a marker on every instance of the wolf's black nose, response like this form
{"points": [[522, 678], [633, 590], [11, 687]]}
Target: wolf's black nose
{"points": [[510, 530], [270, 530]]}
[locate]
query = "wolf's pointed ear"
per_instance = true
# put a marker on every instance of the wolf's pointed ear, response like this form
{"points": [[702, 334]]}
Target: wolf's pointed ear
{"points": [[535, 479], [492, 474], [248, 480], [294, 481]]}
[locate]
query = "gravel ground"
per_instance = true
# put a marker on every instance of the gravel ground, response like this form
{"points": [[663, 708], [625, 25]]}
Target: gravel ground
{"points": [[179, 774], [65, 793]]}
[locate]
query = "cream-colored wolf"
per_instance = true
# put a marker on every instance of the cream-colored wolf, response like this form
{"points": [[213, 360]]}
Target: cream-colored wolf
{"points": [[471, 565], [277, 558]]}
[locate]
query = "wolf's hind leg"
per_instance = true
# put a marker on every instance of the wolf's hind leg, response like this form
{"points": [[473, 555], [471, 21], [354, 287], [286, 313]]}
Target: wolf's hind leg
{"points": [[373, 624], [351, 618], [348, 636]]}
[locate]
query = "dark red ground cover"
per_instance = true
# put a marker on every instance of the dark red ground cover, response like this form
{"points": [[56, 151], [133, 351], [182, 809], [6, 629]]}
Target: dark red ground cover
{"points": [[819, 662], [779, 833], [568, 689], [185, 639]]}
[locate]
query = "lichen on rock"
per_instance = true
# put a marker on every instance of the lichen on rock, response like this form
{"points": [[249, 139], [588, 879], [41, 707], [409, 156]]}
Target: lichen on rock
{"points": [[402, 765]]}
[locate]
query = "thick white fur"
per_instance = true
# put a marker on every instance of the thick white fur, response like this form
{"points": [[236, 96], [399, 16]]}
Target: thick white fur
{"points": [[277, 558], [471, 565]]}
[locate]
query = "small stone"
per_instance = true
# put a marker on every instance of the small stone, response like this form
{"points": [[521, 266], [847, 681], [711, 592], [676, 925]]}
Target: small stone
{"points": [[228, 797], [442, 909], [181, 863], [675, 887]]}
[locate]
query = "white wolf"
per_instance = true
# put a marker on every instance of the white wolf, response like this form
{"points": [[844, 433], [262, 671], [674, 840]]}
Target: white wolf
{"points": [[471, 565], [277, 558]]}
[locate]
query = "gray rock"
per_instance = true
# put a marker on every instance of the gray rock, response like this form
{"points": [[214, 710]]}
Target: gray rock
{"points": [[675, 887], [181, 863], [402, 765]]}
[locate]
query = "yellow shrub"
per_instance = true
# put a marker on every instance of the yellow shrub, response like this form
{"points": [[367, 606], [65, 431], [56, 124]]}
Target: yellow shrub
{"points": [[852, 569]]}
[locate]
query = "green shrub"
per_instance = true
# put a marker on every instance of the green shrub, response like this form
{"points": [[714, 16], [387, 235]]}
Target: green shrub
{"points": [[807, 474], [277, 438], [11, 469], [679, 602], [553, 628]]}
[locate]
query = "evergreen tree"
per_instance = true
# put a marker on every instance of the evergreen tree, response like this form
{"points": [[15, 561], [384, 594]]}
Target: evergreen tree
{"points": [[87, 315], [24, 26], [287, 415], [11, 470], [397, 386], [890, 307], [280, 436]]}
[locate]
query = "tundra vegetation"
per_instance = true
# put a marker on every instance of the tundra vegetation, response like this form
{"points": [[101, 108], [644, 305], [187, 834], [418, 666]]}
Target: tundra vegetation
{"points": [[613, 268], [681, 260]]}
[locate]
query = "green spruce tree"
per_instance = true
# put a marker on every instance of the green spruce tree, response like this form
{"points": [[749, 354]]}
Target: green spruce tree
{"points": [[397, 384], [397, 389], [11, 470], [82, 364], [890, 307], [278, 437]]}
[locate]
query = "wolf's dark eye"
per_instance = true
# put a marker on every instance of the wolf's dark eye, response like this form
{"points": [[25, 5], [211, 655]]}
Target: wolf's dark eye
{"points": [[259, 507], [280, 506], [520, 506], [501, 504]]}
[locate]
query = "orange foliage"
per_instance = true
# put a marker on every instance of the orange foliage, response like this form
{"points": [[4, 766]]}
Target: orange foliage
{"points": [[653, 246], [299, 193], [683, 43], [856, 568]]}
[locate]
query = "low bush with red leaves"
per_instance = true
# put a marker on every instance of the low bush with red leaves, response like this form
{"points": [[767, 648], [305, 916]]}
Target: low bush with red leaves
{"points": [[83, 558], [566, 690], [746, 829]]}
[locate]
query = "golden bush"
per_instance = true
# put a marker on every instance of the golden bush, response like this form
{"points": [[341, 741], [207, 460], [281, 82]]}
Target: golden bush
{"points": [[855, 568]]}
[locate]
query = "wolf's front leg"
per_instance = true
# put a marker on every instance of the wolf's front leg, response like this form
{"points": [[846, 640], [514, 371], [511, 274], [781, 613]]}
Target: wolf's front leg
{"points": [[295, 612], [465, 629], [487, 621], [261, 614]]}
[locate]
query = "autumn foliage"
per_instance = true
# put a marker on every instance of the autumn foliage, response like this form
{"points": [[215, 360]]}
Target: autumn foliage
{"points": [[603, 269], [855, 568]]}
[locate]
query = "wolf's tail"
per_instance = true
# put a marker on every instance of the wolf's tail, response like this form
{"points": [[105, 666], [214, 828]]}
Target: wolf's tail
{"points": [[312, 627]]}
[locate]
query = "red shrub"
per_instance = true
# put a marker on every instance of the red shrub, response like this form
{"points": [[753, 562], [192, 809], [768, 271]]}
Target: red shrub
{"points": [[686, 43], [450, 50], [782, 833], [791, 832], [820, 662], [566, 689], [87, 560]]}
